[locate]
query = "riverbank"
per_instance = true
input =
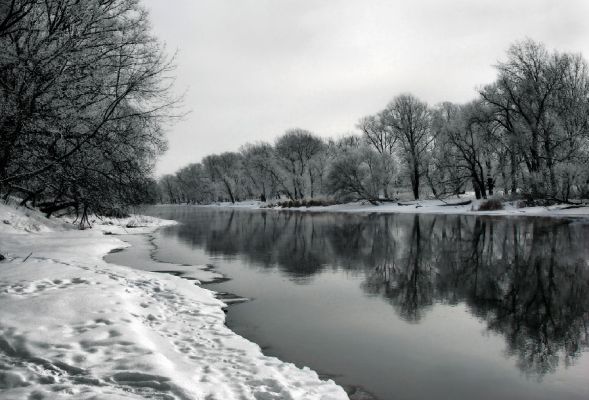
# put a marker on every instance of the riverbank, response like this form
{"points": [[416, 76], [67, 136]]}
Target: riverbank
{"points": [[448, 206], [74, 326]]}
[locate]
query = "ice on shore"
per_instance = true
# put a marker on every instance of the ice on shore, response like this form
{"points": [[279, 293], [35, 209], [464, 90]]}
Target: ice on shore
{"points": [[141, 249], [75, 327]]}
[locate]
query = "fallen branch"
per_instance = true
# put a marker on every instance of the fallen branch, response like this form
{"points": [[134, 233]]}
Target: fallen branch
{"points": [[575, 206], [27, 257], [462, 203], [387, 200], [565, 201]]}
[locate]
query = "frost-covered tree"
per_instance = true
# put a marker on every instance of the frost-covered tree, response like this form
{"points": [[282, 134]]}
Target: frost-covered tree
{"points": [[467, 137], [540, 99], [443, 173], [261, 169], [526, 134], [169, 188], [84, 89], [379, 133], [225, 170], [410, 119], [357, 171], [195, 184], [295, 151]]}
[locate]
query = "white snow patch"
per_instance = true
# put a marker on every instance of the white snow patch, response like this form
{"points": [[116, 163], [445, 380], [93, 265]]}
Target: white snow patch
{"points": [[419, 207], [446, 207], [74, 326]]}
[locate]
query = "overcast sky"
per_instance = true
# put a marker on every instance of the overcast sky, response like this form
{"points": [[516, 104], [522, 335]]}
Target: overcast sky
{"points": [[254, 68]]}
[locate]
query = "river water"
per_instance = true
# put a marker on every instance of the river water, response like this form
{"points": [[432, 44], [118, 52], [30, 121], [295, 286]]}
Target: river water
{"points": [[398, 306]]}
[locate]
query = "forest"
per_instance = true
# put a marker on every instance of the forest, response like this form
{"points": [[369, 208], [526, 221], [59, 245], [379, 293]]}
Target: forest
{"points": [[524, 136], [85, 90]]}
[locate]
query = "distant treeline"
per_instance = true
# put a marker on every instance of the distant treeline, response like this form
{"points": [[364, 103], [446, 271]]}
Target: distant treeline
{"points": [[84, 88], [526, 135]]}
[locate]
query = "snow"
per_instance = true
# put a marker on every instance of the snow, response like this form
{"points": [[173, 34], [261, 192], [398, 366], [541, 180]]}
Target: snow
{"points": [[439, 207], [75, 327], [426, 207]]}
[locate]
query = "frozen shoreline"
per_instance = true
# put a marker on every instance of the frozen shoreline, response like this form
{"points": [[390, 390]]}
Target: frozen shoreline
{"points": [[422, 207], [74, 326]]}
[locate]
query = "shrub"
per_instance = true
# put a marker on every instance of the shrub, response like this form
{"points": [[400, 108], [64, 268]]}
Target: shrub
{"points": [[491, 205], [318, 202], [540, 202], [304, 203]]}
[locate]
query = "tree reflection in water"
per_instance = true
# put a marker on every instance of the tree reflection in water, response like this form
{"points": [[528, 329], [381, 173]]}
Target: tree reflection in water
{"points": [[527, 278]]}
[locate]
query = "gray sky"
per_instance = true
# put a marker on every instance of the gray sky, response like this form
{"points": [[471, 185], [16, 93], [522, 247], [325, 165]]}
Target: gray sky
{"points": [[254, 68]]}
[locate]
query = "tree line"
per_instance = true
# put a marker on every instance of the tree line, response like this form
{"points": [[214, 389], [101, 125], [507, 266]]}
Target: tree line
{"points": [[84, 91], [525, 135]]}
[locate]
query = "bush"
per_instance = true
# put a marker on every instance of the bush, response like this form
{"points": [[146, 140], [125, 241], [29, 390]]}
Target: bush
{"points": [[318, 202], [491, 205], [303, 203], [539, 202]]}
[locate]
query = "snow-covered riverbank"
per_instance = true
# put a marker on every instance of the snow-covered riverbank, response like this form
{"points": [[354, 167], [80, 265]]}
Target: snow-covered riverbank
{"points": [[75, 327], [427, 207]]}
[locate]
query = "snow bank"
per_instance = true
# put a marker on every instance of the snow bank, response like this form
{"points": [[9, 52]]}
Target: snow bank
{"points": [[421, 207], [22, 220], [440, 207], [74, 327]]}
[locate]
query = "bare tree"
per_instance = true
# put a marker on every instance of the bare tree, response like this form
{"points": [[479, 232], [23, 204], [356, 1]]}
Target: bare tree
{"points": [[84, 89], [225, 169], [469, 132], [357, 171], [527, 133], [411, 122], [540, 100], [443, 171], [294, 152], [261, 169], [195, 184], [380, 135]]}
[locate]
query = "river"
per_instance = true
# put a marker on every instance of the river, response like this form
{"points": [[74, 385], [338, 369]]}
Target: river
{"points": [[399, 306]]}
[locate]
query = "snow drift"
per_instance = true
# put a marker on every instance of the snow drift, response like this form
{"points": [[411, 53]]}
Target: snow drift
{"points": [[75, 327]]}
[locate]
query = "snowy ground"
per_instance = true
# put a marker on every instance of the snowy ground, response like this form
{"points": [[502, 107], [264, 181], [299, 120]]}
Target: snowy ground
{"points": [[74, 327], [428, 207]]}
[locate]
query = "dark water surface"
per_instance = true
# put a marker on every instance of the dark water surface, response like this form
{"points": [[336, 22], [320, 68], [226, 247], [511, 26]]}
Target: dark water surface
{"points": [[405, 306]]}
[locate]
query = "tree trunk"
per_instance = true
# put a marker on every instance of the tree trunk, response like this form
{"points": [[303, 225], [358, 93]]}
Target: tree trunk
{"points": [[551, 173], [415, 181], [513, 172], [229, 191], [477, 190]]}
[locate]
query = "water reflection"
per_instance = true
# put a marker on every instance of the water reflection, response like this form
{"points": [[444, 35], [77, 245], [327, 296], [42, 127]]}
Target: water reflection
{"points": [[528, 279]]}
